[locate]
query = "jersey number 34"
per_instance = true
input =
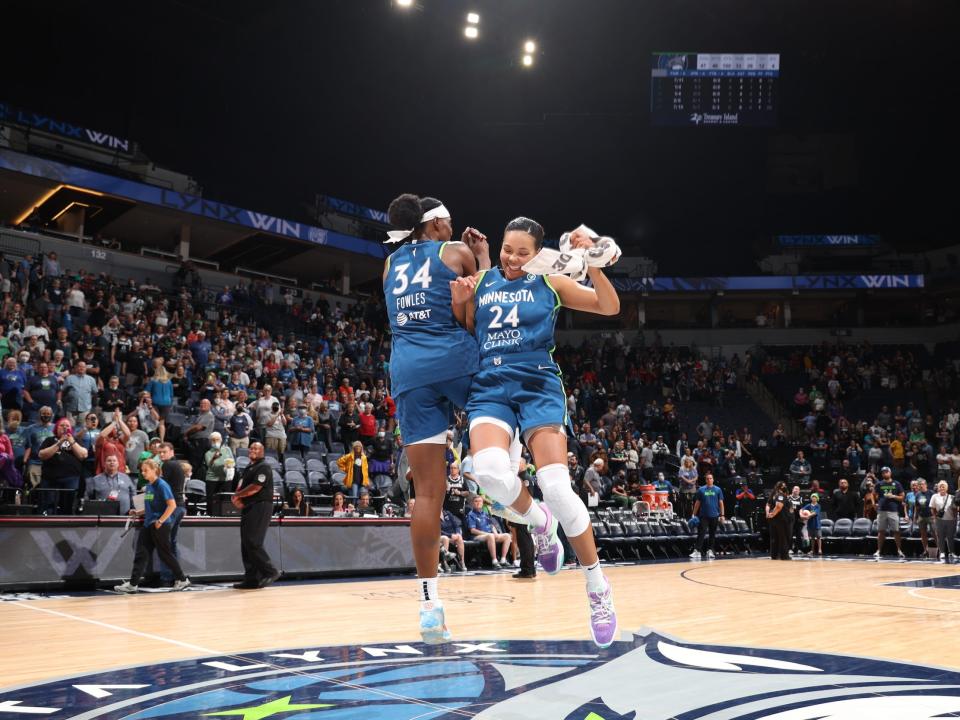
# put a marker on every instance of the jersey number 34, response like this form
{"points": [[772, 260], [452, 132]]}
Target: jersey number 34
{"points": [[421, 277]]}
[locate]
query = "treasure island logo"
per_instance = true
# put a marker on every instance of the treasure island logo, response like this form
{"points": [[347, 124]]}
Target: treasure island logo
{"points": [[647, 676]]}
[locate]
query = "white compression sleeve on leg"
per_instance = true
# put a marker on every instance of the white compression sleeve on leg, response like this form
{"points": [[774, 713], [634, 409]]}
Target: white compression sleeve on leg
{"points": [[491, 467], [566, 505]]}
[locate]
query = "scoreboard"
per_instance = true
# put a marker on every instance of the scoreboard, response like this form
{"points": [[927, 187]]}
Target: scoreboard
{"points": [[702, 89]]}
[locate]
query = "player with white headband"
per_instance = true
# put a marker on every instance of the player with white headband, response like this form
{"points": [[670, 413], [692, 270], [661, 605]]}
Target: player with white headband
{"points": [[431, 365]]}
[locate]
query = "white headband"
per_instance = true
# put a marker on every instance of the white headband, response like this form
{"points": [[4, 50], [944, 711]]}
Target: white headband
{"points": [[399, 235]]}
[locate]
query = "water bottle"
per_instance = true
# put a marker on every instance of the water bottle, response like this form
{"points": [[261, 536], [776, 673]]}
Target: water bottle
{"points": [[16, 498]]}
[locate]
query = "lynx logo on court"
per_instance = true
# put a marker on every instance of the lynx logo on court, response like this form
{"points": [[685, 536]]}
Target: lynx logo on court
{"points": [[647, 676]]}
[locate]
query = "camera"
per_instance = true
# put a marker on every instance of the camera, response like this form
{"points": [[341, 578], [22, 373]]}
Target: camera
{"points": [[65, 445], [275, 408]]}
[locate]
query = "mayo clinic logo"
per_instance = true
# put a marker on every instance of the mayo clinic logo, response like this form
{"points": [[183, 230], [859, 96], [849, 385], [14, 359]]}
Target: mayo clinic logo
{"points": [[648, 675], [401, 319]]}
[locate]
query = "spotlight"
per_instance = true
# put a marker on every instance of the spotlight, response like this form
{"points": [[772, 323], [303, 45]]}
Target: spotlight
{"points": [[471, 32], [404, 3], [473, 18], [527, 60], [529, 47]]}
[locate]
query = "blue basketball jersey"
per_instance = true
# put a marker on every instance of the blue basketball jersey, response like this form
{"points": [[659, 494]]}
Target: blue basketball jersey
{"points": [[514, 316], [429, 345]]}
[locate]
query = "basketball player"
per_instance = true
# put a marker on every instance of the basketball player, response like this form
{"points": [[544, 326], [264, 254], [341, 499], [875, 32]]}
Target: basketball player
{"points": [[431, 365], [513, 315]]}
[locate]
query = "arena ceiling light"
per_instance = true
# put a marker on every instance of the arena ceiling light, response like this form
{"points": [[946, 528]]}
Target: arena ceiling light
{"points": [[527, 60], [473, 18], [404, 3], [471, 32], [529, 47]]}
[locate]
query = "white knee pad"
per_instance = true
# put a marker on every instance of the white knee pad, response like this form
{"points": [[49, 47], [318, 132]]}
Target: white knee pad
{"points": [[491, 468], [516, 450], [564, 503]]}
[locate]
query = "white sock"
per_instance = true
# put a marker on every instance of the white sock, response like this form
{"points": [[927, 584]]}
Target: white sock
{"points": [[594, 575], [428, 589], [535, 517]]}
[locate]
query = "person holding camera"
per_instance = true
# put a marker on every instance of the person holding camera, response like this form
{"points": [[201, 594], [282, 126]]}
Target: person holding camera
{"points": [[274, 430], [150, 421], [61, 458], [944, 509]]}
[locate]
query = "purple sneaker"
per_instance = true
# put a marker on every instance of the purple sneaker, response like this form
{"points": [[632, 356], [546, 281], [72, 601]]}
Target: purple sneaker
{"points": [[549, 547], [603, 617]]}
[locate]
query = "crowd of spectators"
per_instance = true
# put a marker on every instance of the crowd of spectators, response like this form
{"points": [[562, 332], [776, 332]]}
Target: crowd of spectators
{"points": [[98, 373]]}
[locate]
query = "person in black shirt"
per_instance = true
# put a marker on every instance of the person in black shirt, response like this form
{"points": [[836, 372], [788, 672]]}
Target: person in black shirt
{"points": [[846, 502], [172, 472], [254, 498], [779, 521], [62, 464]]}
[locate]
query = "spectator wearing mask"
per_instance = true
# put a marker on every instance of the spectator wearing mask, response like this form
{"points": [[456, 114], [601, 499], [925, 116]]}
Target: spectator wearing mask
{"points": [[274, 430], [112, 484], [35, 437], [239, 427], [62, 465], [219, 461], [354, 466]]}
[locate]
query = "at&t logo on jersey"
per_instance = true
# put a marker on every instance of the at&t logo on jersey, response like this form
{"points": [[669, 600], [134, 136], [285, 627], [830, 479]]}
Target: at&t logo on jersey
{"points": [[401, 319]]}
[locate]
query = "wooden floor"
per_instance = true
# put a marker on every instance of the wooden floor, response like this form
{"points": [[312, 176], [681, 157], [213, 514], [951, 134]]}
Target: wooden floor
{"points": [[834, 606]]}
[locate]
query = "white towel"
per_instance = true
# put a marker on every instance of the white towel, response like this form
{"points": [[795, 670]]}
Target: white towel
{"points": [[574, 261]]}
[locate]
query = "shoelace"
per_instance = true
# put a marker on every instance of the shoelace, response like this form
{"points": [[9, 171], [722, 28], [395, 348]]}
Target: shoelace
{"points": [[602, 608], [543, 541]]}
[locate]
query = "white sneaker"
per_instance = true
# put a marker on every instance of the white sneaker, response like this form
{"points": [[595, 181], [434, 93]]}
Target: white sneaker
{"points": [[181, 584], [943, 557], [516, 563], [901, 555], [877, 554], [496, 564], [126, 587], [695, 555], [710, 555]]}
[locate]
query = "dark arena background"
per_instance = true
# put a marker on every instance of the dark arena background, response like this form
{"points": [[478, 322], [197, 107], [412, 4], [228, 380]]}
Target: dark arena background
{"points": [[193, 207]]}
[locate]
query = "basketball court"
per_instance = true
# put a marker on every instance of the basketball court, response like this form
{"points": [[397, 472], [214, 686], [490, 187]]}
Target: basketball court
{"points": [[864, 631]]}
